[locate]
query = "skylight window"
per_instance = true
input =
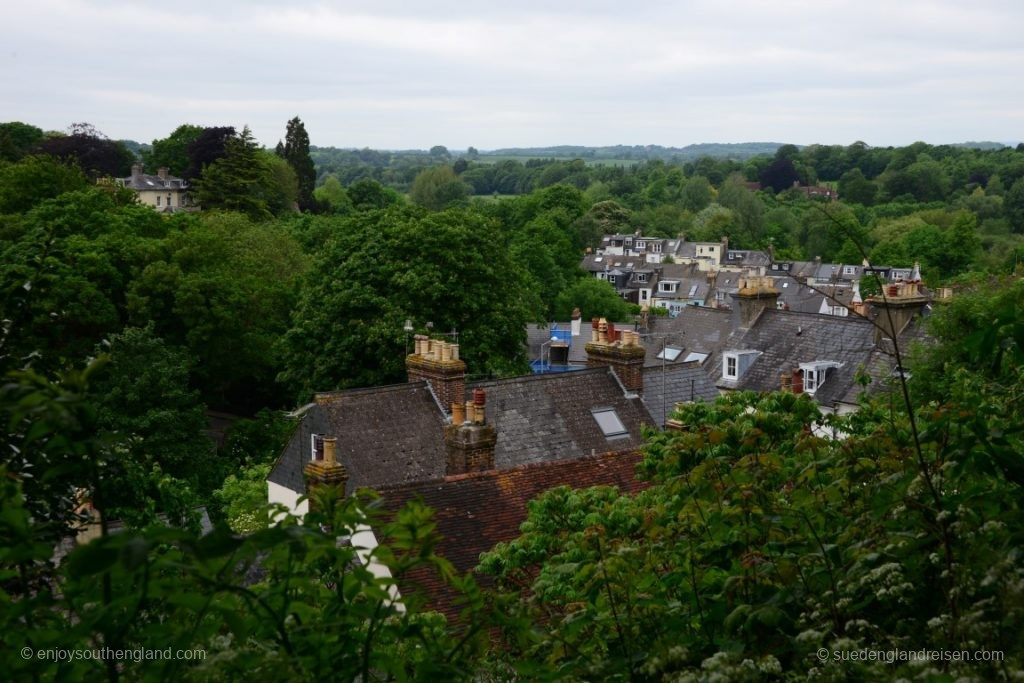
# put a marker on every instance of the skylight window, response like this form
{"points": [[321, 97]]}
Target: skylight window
{"points": [[608, 420], [669, 353], [598, 259], [695, 356]]}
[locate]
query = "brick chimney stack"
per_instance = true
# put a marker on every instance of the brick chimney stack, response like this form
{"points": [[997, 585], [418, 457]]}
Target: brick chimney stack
{"points": [[625, 356], [756, 293], [437, 363], [326, 472], [893, 310], [469, 441], [162, 172]]}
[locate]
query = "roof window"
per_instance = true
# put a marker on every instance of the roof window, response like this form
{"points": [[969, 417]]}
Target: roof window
{"points": [[669, 353], [608, 420]]}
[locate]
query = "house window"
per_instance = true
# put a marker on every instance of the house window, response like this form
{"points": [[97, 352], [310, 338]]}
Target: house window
{"points": [[168, 200], [611, 279], [810, 381], [656, 247], [643, 295], [730, 367], [158, 200], [667, 287], [641, 246], [849, 270], [693, 291], [695, 357], [641, 277], [608, 420], [316, 447]]}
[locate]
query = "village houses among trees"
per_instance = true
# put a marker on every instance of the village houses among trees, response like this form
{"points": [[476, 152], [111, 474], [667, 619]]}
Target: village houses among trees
{"points": [[573, 413]]}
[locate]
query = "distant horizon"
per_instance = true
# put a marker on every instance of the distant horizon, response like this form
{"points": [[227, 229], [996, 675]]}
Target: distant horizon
{"points": [[399, 75], [489, 150]]}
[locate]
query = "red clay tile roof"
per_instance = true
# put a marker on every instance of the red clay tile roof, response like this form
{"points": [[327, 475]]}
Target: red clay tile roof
{"points": [[476, 511]]}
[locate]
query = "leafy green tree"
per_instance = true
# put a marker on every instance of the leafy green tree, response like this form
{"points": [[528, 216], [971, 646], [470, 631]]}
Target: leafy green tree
{"points": [[697, 194], [780, 174], [96, 154], [172, 152], [595, 299], [747, 210], [296, 152], [367, 194], [34, 178], [18, 139], [207, 147], [64, 277], [288, 603], [1014, 205], [243, 497], [382, 268], [856, 189], [143, 394], [242, 180], [224, 291], [333, 197], [438, 188], [759, 542]]}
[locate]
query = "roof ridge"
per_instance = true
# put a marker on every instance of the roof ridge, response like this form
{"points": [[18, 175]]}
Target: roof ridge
{"points": [[358, 391], [498, 471]]}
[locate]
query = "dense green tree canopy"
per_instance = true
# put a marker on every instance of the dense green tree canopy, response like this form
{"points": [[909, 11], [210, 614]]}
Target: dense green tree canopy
{"points": [[172, 152], [382, 268], [18, 139], [295, 151]]}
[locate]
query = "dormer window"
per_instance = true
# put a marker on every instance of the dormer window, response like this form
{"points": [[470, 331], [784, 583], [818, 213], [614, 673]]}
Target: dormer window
{"points": [[668, 287], [641, 277], [816, 373], [316, 447], [735, 363], [849, 270], [641, 246], [656, 247]]}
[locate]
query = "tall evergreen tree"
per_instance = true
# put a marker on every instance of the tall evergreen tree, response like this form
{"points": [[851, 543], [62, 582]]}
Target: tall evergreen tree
{"points": [[296, 152]]}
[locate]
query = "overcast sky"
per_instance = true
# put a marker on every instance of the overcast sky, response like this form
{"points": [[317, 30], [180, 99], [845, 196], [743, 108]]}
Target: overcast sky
{"points": [[395, 75]]}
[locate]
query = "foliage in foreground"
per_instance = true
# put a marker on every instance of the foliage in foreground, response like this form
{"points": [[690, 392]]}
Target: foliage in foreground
{"points": [[285, 603], [760, 543]]}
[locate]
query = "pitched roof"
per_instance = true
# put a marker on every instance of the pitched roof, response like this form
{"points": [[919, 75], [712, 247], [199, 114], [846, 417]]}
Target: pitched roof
{"points": [[695, 328], [385, 435], [145, 181], [666, 386], [394, 434], [476, 511], [785, 339], [550, 417]]}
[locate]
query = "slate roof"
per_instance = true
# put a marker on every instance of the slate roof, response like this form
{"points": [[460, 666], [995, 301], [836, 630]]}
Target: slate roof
{"points": [[808, 299], [665, 387], [474, 512], [787, 338], [394, 434], [145, 181], [548, 417], [385, 435], [696, 328], [747, 258]]}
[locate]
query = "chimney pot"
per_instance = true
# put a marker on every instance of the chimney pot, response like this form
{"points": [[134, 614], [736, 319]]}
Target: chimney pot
{"points": [[330, 450], [458, 413], [455, 352], [479, 397]]}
